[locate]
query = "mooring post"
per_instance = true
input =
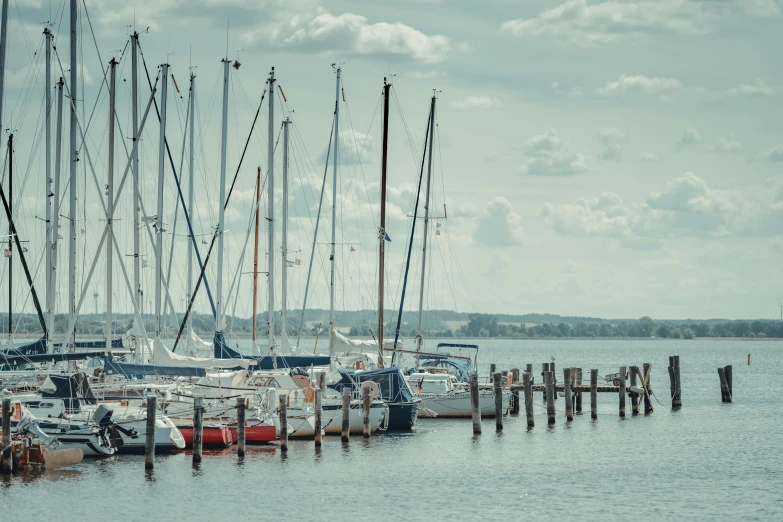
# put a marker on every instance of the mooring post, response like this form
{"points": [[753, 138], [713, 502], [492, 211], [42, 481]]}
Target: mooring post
{"points": [[674, 378], [567, 392], [550, 397], [634, 395], [514, 391], [725, 395], [579, 393], [527, 383], [492, 368], [318, 425], [497, 381], [149, 443], [283, 422], [529, 369], [7, 455], [748, 359], [554, 379], [366, 404], [648, 407], [475, 410], [594, 393], [198, 428], [241, 426], [544, 369], [728, 372], [346, 415], [622, 392]]}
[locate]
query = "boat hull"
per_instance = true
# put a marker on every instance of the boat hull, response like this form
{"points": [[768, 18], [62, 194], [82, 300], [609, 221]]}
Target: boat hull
{"points": [[213, 436], [332, 417], [458, 404], [402, 415], [256, 434]]}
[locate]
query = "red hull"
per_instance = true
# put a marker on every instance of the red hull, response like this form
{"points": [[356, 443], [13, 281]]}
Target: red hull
{"points": [[256, 434], [214, 436]]}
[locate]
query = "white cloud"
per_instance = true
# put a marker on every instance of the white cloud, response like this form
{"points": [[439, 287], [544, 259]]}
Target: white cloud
{"points": [[423, 75], [760, 88], [639, 83], [323, 32], [728, 144], [689, 137], [649, 156], [548, 155], [612, 141], [498, 225], [478, 103], [774, 154], [355, 147]]}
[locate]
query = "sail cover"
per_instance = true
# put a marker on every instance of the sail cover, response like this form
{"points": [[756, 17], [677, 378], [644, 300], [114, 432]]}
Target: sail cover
{"points": [[162, 356], [342, 344]]}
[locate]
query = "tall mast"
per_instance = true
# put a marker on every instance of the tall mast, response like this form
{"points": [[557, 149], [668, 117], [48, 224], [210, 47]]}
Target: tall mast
{"points": [[284, 246], [48, 169], [219, 308], [382, 229], [3, 47], [55, 212], [419, 338], [110, 199], [164, 73], [191, 194], [135, 174], [72, 181], [255, 260], [10, 240], [270, 314], [334, 209]]}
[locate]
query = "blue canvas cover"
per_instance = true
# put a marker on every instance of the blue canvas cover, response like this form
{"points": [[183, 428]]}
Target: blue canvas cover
{"points": [[222, 351]]}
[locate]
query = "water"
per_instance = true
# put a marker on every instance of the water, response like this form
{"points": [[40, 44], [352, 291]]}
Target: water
{"points": [[709, 460]]}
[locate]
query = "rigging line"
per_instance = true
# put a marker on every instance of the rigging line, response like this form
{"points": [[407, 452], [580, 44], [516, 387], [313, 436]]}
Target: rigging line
{"points": [[179, 187], [413, 230], [214, 236]]}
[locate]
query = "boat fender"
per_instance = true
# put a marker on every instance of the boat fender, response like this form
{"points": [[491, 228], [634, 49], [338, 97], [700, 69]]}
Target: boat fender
{"points": [[375, 389]]}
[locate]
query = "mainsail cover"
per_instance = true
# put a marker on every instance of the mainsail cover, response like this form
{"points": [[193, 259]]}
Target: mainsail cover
{"points": [[162, 356], [342, 344], [222, 351]]}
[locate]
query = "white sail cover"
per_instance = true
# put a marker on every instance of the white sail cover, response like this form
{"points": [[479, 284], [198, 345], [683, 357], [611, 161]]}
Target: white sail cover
{"points": [[162, 356], [342, 344], [216, 385]]}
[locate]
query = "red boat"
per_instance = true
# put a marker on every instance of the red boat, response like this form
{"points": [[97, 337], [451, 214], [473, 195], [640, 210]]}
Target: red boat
{"points": [[257, 433], [215, 435]]}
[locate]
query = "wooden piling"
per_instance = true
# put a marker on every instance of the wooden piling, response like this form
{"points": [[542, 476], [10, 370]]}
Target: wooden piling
{"points": [[283, 422], [527, 383], [241, 424], [622, 392], [149, 443], [475, 410], [497, 380], [634, 395], [554, 377], [366, 404], [492, 369], [529, 369], [567, 392], [346, 415], [725, 394], [748, 359], [514, 391], [594, 393], [579, 393], [198, 428], [550, 397], [728, 371], [8, 460], [674, 378], [544, 369], [648, 407], [318, 418]]}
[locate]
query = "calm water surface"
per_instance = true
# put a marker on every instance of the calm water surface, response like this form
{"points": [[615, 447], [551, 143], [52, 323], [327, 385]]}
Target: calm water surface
{"points": [[709, 460]]}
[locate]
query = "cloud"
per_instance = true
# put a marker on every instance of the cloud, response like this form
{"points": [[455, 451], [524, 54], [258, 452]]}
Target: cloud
{"points": [[649, 156], [689, 137], [323, 32], [760, 88], [548, 155], [477, 103], [612, 140], [728, 144], [355, 147], [639, 83], [605, 215], [423, 75], [773, 154], [577, 22], [498, 225]]}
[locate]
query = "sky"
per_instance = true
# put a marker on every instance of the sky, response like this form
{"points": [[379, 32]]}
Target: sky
{"points": [[594, 158]]}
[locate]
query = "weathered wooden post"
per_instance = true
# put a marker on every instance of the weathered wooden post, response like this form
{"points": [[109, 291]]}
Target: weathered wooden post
{"points": [[529, 369], [748, 359], [527, 383], [497, 379], [544, 369], [622, 392], [149, 443], [492, 368], [728, 372], [634, 395], [318, 418], [7, 454], [725, 394], [346, 415], [567, 392], [366, 404], [594, 393], [579, 393], [475, 410], [514, 391], [550, 397], [283, 422], [674, 378], [241, 424], [648, 407], [554, 378], [198, 428]]}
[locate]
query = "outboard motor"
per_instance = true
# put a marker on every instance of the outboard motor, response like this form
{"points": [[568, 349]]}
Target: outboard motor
{"points": [[103, 415]]}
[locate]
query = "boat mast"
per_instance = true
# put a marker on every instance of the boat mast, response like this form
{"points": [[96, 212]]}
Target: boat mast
{"points": [[419, 338], [270, 319], [48, 170], [382, 229], [284, 246], [135, 174], [191, 194], [72, 181], [334, 209], [255, 260], [3, 47], [219, 308], [110, 198], [56, 213], [10, 241], [164, 74]]}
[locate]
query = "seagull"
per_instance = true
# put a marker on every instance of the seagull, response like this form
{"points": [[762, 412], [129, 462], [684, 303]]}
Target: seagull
{"points": [[553, 358]]}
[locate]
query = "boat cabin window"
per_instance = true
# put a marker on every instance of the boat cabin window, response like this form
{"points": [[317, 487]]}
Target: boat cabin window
{"points": [[267, 382]]}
